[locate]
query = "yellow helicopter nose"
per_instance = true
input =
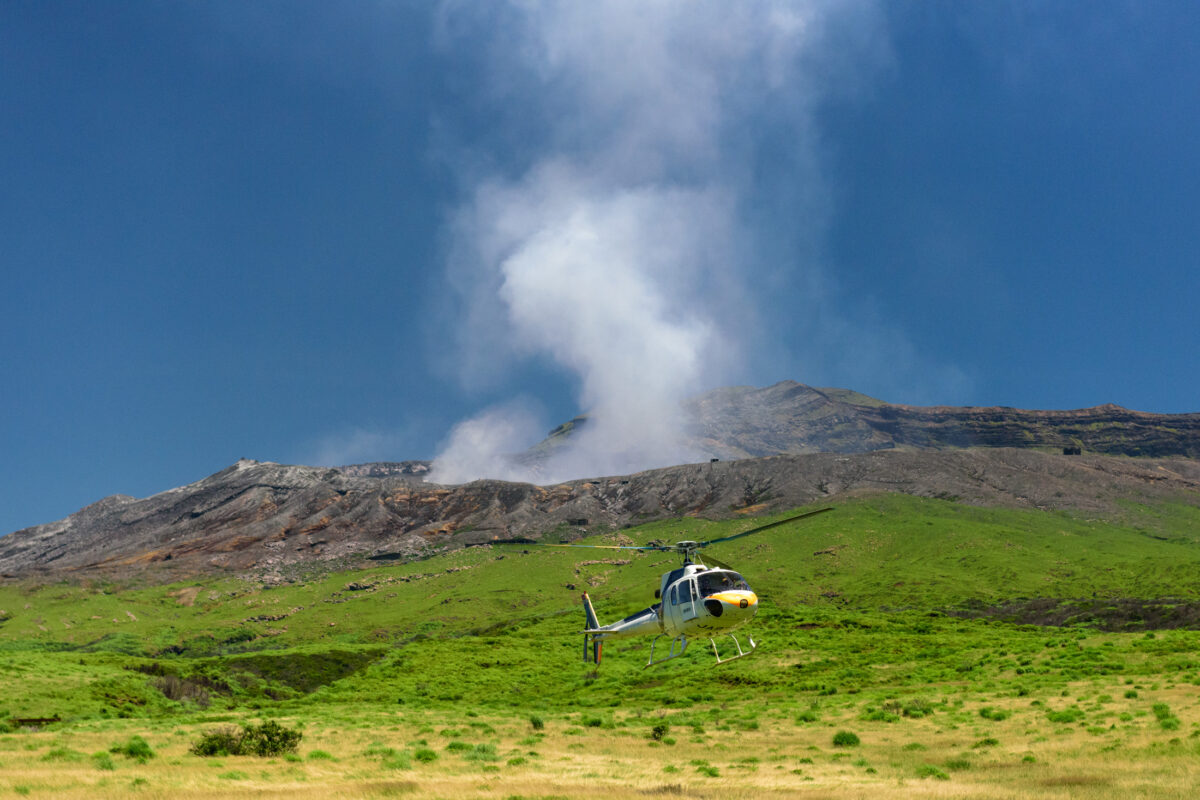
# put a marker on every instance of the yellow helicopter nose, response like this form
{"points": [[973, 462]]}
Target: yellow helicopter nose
{"points": [[739, 603]]}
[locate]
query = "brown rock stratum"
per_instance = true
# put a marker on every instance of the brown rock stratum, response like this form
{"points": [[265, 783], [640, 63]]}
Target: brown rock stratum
{"points": [[793, 445]]}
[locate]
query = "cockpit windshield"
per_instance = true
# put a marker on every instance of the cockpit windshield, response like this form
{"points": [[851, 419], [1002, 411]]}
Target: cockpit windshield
{"points": [[715, 581]]}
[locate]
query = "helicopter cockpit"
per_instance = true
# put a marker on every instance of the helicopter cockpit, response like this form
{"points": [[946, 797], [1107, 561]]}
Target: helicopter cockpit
{"points": [[716, 581]]}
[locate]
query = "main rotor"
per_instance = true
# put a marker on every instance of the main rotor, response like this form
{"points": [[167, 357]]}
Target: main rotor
{"points": [[689, 549]]}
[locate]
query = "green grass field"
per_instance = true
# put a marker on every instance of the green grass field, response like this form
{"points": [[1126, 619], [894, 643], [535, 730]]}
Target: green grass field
{"points": [[461, 676]]}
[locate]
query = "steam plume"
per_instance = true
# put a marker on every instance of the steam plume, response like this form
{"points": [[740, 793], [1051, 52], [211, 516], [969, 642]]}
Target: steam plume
{"points": [[618, 252]]}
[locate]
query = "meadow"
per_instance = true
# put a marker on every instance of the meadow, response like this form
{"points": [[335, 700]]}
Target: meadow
{"points": [[895, 655]]}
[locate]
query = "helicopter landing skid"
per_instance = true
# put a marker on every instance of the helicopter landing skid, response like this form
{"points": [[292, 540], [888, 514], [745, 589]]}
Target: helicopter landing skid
{"points": [[680, 641], [740, 653]]}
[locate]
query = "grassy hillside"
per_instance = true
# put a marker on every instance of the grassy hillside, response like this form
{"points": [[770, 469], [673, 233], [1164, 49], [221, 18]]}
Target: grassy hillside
{"points": [[502, 622], [857, 632]]}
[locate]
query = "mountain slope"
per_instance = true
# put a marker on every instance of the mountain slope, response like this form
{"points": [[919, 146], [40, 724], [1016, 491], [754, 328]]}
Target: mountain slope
{"points": [[267, 516], [789, 417]]}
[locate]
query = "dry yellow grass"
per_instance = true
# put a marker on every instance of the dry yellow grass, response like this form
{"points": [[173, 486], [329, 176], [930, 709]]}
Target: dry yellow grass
{"points": [[349, 754]]}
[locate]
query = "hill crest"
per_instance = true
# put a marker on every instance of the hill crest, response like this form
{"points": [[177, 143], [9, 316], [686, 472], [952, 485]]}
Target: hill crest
{"points": [[777, 447]]}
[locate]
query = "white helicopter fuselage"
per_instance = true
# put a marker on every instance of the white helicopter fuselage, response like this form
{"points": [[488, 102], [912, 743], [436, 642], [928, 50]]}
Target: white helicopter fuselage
{"points": [[696, 601], [703, 601]]}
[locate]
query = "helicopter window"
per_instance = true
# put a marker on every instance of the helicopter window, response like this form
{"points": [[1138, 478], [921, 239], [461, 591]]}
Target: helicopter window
{"points": [[724, 581]]}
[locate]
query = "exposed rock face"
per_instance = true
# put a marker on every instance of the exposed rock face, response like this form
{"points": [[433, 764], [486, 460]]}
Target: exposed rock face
{"points": [[742, 421], [262, 515], [389, 469], [789, 417]]}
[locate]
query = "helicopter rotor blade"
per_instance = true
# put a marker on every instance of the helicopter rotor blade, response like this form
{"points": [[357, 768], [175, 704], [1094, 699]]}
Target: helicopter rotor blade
{"points": [[762, 528], [599, 546], [716, 562]]}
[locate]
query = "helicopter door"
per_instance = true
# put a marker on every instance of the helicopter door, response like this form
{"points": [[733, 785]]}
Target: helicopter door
{"points": [[687, 600], [680, 606]]}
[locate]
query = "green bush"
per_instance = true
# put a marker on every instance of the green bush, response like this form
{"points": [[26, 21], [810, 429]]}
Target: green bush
{"points": [[268, 739], [136, 748], [425, 755], [660, 730], [1065, 717], [916, 709], [845, 739], [224, 741], [930, 771], [482, 752]]}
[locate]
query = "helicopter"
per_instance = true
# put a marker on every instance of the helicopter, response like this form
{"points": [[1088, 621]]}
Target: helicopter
{"points": [[695, 600]]}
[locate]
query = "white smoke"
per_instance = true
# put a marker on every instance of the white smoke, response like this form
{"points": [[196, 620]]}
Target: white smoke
{"points": [[482, 446], [619, 253]]}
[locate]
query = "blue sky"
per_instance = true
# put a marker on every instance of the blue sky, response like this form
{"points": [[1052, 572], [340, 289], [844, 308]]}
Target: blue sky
{"points": [[329, 233]]}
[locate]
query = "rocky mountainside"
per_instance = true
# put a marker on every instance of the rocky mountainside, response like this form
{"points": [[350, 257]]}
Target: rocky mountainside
{"points": [[265, 517], [789, 417]]}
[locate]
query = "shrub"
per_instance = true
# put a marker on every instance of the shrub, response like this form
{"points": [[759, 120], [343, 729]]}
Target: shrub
{"points": [[224, 741], [1065, 717], [994, 714], [136, 748], [268, 739], [845, 739], [536, 722], [930, 771], [660, 730], [880, 715], [103, 761], [380, 750], [425, 755], [916, 709], [482, 752]]}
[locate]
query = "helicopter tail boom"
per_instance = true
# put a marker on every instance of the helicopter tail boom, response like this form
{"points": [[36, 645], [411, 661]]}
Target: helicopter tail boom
{"points": [[592, 646]]}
